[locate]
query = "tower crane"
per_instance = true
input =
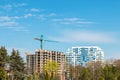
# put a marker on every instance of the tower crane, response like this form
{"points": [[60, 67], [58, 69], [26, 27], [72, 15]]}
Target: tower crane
{"points": [[43, 40]]}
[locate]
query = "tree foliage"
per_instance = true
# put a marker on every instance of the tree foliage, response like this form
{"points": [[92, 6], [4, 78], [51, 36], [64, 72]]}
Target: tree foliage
{"points": [[110, 72], [101, 78], [17, 65], [93, 71], [72, 71], [3, 57], [36, 76], [50, 70], [3, 74], [96, 71], [3, 61], [79, 73]]}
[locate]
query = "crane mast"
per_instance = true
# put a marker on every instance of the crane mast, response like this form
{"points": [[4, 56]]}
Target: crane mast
{"points": [[41, 41]]}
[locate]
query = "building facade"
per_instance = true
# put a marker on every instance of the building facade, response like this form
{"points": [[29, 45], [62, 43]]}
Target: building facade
{"points": [[82, 55], [30, 59], [37, 61]]}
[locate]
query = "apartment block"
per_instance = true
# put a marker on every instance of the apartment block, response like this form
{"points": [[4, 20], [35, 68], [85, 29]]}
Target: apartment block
{"points": [[36, 62], [30, 59], [82, 55]]}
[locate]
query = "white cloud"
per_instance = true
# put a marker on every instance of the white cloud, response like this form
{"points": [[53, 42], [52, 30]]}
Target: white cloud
{"points": [[8, 21], [52, 14], [46, 16], [31, 10], [28, 15], [7, 24], [15, 17], [4, 18], [74, 20], [68, 19], [66, 22], [56, 20], [85, 36], [8, 7], [11, 23], [41, 15], [13, 26], [20, 5], [35, 10], [18, 28], [8, 18], [81, 22]]}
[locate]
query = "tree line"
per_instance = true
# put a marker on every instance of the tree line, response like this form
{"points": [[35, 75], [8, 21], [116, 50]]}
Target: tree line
{"points": [[109, 70], [12, 67]]}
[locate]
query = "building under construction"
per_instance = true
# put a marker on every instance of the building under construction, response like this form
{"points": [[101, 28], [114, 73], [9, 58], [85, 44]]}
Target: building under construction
{"points": [[36, 62]]}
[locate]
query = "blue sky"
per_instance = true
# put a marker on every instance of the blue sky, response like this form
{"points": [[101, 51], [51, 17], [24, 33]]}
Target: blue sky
{"points": [[71, 22]]}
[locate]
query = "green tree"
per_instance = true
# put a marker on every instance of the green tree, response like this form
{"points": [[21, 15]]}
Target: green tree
{"points": [[36, 76], [101, 78], [3, 57], [50, 69], [72, 71], [85, 74], [78, 69], [110, 72], [79, 73], [95, 68], [3, 74], [47, 76], [3, 61], [29, 77], [117, 63], [17, 65], [118, 78]]}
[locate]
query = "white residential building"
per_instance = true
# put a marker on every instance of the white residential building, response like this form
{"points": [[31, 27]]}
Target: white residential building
{"points": [[81, 55]]}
